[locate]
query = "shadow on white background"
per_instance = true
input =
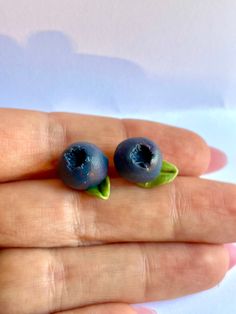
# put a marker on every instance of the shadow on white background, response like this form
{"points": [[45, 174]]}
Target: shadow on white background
{"points": [[46, 72]]}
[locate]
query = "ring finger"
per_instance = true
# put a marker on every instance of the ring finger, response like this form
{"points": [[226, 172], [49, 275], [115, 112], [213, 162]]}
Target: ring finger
{"points": [[49, 280]]}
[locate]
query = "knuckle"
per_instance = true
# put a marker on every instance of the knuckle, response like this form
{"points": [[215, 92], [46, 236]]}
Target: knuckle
{"points": [[79, 216], [148, 266], [31, 275], [56, 135], [86, 230], [180, 208], [78, 220], [124, 129], [57, 289]]}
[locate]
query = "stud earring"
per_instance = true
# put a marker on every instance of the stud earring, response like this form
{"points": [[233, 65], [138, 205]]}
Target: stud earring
{"points": [[83, 166], [139, 160]]}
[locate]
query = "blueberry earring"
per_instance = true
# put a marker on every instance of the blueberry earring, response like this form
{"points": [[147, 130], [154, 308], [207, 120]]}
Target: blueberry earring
{"points": [[139, 160], [83, 166]]}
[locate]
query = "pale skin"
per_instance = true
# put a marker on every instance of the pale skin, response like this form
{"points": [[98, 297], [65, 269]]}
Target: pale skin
{"points": [[63, 251]]}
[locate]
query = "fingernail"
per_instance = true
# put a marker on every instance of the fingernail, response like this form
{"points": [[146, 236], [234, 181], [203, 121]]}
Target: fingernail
{"points": [[232, 254], [143, 310], [218, 160]]}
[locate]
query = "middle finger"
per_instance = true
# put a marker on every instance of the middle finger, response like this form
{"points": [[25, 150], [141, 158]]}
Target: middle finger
{"points": [[45, 213]]}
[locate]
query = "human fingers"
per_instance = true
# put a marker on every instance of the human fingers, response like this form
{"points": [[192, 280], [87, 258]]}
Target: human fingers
{"points": [[109, 308], [52, 280], [31, 141], [45, 213]]}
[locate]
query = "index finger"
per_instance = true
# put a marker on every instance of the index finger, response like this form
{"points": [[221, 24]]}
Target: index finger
{"points": [[32, 141]]}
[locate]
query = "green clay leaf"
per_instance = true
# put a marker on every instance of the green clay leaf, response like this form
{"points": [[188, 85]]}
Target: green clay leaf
{"points": [[168, 173], [102, 190]]}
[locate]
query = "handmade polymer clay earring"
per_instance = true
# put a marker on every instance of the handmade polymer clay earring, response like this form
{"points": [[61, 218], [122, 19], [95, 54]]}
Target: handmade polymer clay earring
{"points": [[83, 166], [139, 160]]}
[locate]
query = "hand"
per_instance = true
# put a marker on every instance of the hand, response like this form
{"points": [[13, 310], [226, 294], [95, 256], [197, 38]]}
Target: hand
{"points": [[153, 244]]}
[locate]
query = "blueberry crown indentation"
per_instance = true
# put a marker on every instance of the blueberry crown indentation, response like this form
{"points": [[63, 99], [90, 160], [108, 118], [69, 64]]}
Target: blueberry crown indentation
{"points": [[141, 155], [76, 157]]}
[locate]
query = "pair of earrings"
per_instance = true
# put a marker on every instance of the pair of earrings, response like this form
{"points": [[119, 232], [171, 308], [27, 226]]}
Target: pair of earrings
{"points": [[83, 166]]}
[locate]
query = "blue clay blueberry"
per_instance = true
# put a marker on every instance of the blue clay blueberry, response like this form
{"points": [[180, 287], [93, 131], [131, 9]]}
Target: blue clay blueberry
{"points": [[83, 165], [138, 159]]}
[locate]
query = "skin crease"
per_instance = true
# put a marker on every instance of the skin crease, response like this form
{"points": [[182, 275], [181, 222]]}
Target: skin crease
{"points": [[71, 275], [105, 308], [111, 309]]}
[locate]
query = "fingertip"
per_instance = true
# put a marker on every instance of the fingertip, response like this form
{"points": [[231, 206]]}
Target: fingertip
{"points": [[219, 264], [143, 310], [231, 248], [213, 260], [218, 160]]}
